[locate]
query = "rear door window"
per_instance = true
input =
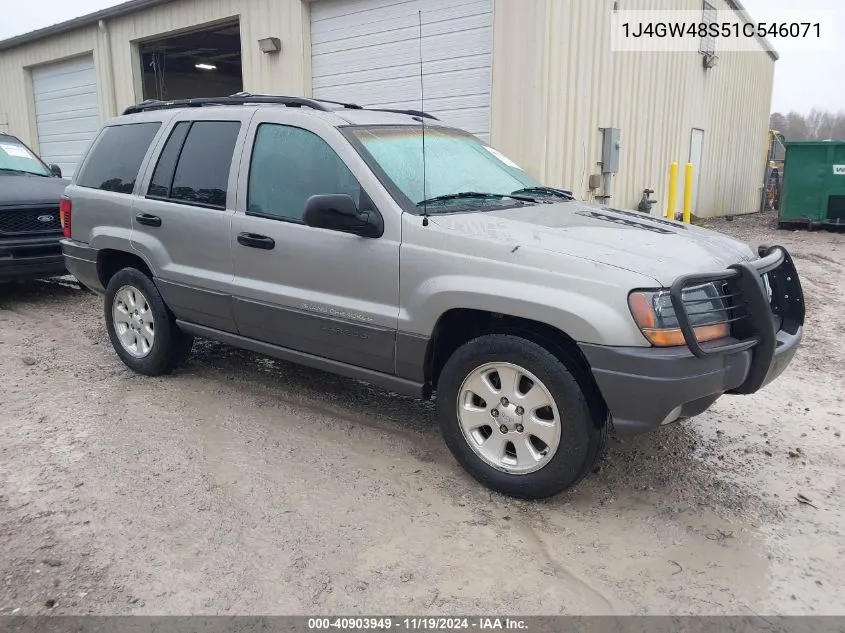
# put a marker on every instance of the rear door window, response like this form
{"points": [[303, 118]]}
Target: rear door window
{"points": [[196, 171], [162, 179], [116, 158]]}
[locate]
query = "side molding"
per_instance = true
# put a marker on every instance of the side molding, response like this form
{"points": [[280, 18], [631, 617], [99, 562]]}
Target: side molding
{"points": [[385, 381]]}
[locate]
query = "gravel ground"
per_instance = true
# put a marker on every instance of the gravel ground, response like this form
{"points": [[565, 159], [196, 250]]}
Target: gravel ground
{"points": [[243, 485]]}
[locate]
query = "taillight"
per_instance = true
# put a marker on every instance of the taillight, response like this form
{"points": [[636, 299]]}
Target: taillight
{"points": [[65, 212]]}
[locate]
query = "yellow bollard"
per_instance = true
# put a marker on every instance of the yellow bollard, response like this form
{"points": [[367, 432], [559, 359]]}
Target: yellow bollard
{"points": [[673, 190], [688, 194]]}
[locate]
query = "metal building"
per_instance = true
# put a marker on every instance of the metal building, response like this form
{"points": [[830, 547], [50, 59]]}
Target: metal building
{"points": [[536, 78]]}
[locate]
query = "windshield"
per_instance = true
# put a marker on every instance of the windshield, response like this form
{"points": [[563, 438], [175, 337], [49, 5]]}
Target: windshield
{"points": [[456, 163], [15, 157]]}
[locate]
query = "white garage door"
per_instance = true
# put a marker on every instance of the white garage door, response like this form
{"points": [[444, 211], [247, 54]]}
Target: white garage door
{"points": [[66, 110], [368, 52]]}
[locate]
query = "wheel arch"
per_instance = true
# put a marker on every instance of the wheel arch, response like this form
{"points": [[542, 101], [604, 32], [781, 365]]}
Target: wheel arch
{"points": [[110, 261], [458, 326]]}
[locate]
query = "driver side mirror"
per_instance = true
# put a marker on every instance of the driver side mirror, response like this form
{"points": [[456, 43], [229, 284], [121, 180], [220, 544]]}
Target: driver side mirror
{"points": [[338, 212], [57, 171]]}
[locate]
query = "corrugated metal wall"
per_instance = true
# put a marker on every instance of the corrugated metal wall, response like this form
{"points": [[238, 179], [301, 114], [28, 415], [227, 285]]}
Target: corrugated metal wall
{"points": [[556, 82], [288, 72]]}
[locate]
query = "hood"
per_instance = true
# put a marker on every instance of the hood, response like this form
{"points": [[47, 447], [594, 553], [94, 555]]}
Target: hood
{"points": [[20, 189], [660, 249]]}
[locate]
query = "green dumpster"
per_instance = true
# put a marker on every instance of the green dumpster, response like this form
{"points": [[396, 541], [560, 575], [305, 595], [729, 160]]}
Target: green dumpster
{"points": [[813, 184]]}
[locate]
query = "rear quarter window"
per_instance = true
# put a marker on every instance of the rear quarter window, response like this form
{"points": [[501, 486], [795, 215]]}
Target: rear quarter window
{"points": [[116, 158]]}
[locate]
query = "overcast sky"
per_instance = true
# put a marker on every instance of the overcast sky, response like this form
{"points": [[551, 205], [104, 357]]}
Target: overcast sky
{"points": [[803, 79]]}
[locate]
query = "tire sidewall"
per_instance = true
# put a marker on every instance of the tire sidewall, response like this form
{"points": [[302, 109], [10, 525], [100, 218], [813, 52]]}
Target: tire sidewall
{"points": [[580, 435], [160, 358]]}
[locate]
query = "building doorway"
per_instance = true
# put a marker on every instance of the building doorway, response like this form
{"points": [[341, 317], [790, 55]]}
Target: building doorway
{"points": [[205, 62]]}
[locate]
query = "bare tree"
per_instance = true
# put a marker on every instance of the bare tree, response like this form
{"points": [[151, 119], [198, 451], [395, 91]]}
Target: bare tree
{"points": [[818, 125]]}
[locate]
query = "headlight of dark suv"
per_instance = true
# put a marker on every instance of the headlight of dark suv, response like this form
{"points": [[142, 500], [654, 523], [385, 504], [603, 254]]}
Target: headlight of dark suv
{"points": [[654, 314]]}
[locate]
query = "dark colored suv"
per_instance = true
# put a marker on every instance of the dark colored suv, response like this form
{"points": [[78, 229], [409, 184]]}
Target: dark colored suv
{"points": [[30, 226]]}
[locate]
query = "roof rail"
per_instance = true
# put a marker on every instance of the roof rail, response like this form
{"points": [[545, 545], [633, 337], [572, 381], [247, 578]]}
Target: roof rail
{"points": [[417, 113], [236, 99], [243, 98]]}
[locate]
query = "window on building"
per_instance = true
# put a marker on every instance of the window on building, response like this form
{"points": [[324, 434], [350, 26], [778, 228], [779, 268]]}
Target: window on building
{"points": [[289, 165], [194, 165], [116, 158], [709, 16]]}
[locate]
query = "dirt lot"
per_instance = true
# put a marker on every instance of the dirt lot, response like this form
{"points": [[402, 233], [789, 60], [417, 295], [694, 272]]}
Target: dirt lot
{"points": [[245, 485]]}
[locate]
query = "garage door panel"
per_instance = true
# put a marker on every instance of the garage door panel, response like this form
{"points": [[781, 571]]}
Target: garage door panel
{"points": [[84, 62], [443, 104], [339, 10], [402, 71], [460, 83], [55, 129], [66, 146], [410, 34], [90, 114], [62, 81], [435, 16], [440, 47], [64, 93], [73, 103], [67, 112]]}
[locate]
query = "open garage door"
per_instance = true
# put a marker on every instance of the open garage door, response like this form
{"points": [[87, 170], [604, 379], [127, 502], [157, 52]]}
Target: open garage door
{"points": [[205, 62], [67, 114], [368, 52]]}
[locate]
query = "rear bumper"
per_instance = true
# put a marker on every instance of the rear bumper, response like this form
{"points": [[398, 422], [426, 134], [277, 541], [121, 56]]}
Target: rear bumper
{"points": [[645, 387], [81, 262], [26, 258]]}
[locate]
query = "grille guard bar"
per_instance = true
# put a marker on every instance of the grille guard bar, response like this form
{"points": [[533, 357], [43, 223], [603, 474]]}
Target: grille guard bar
{"points": [[787, 302]]}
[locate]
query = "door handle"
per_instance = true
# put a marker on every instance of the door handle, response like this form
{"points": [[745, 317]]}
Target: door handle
{"points": [[253, 240], [147, 219]]}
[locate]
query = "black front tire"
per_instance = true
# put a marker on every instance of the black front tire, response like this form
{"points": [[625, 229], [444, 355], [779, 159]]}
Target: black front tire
{"points": [[171, 345], [583, 430]]}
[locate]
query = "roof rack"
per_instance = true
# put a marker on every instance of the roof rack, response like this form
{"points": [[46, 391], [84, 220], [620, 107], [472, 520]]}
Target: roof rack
{"points": [[416, 113], [243, 98], [236, 99]]}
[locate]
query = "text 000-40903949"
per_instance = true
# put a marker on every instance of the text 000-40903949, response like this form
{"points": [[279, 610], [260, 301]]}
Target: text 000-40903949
{"points": [[416, 623]]}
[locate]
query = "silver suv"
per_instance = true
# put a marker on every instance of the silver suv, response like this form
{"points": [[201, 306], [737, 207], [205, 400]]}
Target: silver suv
{"points": [[387, 247]]}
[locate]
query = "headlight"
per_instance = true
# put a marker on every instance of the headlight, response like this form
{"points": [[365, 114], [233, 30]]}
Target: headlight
{"points": [[655, 316]]}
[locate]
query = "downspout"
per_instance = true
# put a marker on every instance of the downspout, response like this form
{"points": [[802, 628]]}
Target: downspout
{"points": [[111, 100]]}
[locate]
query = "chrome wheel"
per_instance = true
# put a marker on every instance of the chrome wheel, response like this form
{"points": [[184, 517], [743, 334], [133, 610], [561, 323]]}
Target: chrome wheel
{"points": [[509, 418], [133, 321]]}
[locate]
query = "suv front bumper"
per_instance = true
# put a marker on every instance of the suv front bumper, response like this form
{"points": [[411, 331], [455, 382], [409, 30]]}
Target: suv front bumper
{"points": [[28, 258], [645, 387]]}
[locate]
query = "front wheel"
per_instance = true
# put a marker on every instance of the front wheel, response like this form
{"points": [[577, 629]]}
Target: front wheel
{"points": [[515, 417]]}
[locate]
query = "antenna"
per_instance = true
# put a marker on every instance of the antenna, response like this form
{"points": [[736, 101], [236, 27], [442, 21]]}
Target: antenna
{"points": [[422, 120]]}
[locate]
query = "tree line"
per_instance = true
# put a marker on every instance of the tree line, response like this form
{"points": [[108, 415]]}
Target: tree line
{"points": [[818, 125]]}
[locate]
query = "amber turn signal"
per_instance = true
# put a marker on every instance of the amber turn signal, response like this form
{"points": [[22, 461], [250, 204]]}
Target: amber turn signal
{"points": [[642, 309]]}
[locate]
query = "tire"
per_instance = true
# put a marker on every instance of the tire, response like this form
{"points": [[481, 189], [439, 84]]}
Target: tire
{"points": [[582, 434], [159, 346]]}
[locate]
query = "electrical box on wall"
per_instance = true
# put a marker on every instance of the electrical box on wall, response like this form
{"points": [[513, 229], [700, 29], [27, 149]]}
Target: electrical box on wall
{"points": [[610, 149]]}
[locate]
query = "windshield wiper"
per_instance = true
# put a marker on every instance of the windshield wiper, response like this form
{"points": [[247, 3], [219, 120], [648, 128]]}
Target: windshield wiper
{"points": [[20, 171], [550, 191], [475, 195]]}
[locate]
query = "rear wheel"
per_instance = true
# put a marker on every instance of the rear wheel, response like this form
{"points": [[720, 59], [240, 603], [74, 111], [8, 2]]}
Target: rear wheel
{"points": [[516, 418], [142, 330]]}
